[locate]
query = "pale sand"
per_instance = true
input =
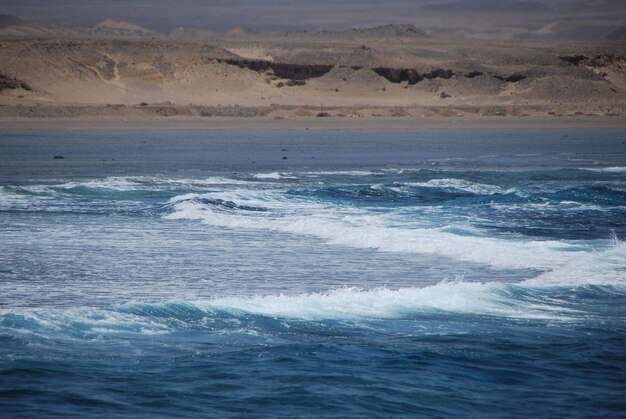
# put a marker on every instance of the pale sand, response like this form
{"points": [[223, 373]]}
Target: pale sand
{"points": [[331, 123]]}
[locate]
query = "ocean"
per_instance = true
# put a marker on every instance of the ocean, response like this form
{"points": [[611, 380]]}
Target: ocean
{"points": [[442, 273]]}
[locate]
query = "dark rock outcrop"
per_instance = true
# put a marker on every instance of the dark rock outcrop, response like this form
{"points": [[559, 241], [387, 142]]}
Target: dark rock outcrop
{"points": [[282, 70], [513, 78], [10, 83], [601, 60], [399, 75], [574, 59], [439, 74], [411, 75], [605, 60]]}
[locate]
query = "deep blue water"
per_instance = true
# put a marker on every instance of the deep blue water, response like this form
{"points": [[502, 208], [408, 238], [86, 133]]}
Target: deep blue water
{"points": [[313, 274]]}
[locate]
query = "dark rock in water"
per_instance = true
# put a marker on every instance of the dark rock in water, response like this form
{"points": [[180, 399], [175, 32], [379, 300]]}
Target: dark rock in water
{"points": [[323, 114], [58, 157], [284, 157]]}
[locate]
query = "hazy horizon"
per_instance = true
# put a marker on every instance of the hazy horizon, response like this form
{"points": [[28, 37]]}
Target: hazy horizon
{"points": [[279, 15]]}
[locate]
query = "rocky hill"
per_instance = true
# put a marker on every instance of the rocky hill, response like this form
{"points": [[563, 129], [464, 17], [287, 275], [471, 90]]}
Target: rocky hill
{"points": [[356, 73]]}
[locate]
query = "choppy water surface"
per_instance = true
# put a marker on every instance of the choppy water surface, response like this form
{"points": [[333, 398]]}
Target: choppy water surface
{"points": [[448, 273]]}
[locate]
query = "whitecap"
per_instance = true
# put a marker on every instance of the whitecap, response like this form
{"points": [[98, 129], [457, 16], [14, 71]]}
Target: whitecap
{"points": [[614, 169], [460, 184], [354, 228]]}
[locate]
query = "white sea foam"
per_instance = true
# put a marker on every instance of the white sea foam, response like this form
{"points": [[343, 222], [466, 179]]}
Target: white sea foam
{"points": [[83, 320], [614, 169], [149, 183], [274, 176], [342, 173], [460, 184], [112, 183], [383, 303], [606, 267], [485, 299], [351, 227], [548, 206]]}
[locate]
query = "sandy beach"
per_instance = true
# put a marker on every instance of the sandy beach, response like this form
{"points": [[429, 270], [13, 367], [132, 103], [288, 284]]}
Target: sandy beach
{"points": [[330, 123]]}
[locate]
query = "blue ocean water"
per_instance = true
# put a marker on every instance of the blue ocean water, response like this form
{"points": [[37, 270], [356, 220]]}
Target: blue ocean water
{"points": [[313, 274]]}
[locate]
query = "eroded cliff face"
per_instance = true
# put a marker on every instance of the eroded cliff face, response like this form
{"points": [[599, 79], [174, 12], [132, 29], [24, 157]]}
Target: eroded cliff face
{"points": [[413, 76], [610, 67], [292, 71], [600, 60]]}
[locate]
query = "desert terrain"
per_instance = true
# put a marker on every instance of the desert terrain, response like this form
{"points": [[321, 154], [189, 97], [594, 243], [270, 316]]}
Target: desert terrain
{"points": [[120, 70]]}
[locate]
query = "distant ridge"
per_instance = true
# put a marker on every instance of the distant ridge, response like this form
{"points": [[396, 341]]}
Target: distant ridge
{"points": [[121, 28], [240, 30], [618, 34], [384, 31], [487, 6], [13, 27], [392, 30], [190, 33], [8, 20]]}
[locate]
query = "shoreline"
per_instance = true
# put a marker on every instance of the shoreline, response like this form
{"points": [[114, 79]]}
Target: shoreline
{"points": [[309, 123]]}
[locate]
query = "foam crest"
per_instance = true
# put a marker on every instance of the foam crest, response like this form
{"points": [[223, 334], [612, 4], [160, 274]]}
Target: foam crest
{"points": [[492, 299], [274, 176], [445, 298], [615, 169], [151, 183], [607, 267], [79, 322], [110, 183], [343, 173], [460, 184], [376, 232], [382, 303]]}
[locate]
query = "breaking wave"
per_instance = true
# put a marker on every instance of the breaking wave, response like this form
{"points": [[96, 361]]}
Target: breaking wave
{"points": [[361, 229], [231, 314]]}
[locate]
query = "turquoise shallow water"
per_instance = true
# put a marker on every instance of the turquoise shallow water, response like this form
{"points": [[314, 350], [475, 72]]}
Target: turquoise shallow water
{"points": [[437, 273]]}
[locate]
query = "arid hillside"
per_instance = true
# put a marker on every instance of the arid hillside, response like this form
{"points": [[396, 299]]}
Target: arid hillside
{"points": [[391, 70]]}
